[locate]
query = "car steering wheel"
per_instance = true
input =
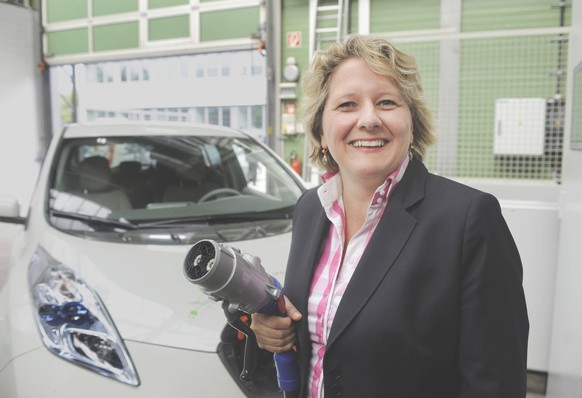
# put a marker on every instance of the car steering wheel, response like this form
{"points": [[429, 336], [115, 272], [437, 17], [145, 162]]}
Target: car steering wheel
{"points": [[217, 192]]}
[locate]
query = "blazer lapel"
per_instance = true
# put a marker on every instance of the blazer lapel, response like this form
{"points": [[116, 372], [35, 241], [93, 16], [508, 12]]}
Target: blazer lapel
{"points": [[317, 233], [312, 228], [390, 236]]}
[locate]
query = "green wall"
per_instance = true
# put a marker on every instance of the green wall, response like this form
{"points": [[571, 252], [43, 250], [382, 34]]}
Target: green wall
{"points": [[402, 15], [480, 15], [72, 41], [65, 10], [169, 28], [115, 36], [237, 23], [166, 3], [516, 67], [109, 7], [511, 67], [295, 18], [240, 23]]}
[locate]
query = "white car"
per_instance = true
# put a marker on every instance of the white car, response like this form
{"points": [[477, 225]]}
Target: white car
{"points": [[95, 302]]}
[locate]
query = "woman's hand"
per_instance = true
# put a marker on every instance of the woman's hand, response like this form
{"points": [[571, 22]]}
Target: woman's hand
{"points": [[275, 333]]}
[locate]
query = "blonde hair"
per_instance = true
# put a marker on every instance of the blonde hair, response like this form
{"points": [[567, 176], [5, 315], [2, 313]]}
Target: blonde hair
{"points": [[384, 59]]}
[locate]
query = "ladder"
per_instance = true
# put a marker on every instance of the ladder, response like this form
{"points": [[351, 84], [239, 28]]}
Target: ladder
{"points": [[328, 23]]}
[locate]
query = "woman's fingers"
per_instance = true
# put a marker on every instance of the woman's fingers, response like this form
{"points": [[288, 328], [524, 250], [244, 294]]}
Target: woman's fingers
{"points": [[276, 340], [275, 333], [292, 312]]}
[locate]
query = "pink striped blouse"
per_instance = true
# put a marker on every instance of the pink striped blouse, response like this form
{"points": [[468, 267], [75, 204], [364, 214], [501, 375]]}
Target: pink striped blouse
{"points": [[333, 273]]}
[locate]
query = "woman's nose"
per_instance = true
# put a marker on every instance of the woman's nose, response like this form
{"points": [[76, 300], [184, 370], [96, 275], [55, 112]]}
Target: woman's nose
{"points": [[369, 118]]}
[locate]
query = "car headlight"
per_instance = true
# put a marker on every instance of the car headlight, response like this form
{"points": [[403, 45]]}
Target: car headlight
{"points": [[74, 322]]}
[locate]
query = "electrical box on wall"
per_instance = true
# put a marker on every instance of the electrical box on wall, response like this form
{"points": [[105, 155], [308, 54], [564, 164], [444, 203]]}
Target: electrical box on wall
{"points": [[520, 125], [288, 119], [288, 91]]}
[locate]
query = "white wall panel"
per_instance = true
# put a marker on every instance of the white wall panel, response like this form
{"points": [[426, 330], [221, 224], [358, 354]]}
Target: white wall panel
{"points": [[20, 102], [565, 374]]}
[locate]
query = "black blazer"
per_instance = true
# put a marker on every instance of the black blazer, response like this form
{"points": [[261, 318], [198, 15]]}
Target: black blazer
{"points": [[435, 307]]}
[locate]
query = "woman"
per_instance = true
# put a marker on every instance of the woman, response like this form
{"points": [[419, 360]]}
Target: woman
{"points": [[399, 283]]}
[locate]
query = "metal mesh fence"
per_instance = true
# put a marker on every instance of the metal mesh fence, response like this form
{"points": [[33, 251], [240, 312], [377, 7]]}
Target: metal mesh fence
{"points": [[499, 102]]}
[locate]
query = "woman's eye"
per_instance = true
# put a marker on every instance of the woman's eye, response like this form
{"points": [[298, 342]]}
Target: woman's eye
{"points": [[345, 105], [387, 102]]}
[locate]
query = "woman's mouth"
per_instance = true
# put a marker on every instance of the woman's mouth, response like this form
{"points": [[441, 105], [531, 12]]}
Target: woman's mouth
{"points": [[369, 143]]}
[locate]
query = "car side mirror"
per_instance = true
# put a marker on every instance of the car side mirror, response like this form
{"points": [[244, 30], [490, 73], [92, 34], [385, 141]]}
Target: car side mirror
{"points": [[10, 210]]}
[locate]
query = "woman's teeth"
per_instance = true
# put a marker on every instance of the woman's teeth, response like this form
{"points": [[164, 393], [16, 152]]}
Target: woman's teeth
{"points": [[369, 144]]}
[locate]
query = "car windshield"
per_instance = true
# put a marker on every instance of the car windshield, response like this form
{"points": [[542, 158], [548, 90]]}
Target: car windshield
{"points": [[133, 188]]}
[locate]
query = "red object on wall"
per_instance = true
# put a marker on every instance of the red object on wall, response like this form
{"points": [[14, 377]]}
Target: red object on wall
{"points": [[295, 163]]}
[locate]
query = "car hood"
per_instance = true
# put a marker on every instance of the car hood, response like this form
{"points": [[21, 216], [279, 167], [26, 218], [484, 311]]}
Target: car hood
{"points": [[146, 292]]}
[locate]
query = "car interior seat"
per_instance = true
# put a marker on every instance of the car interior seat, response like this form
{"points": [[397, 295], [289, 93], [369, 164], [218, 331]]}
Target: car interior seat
{"points": [[192, 183], [132, 180], [95, 180]]}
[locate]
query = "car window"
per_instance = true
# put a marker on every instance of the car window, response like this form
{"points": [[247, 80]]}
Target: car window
{"points": [[146, 180]]}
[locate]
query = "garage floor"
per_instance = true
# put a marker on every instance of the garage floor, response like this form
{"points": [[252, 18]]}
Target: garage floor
{"points": [[536, 382]]}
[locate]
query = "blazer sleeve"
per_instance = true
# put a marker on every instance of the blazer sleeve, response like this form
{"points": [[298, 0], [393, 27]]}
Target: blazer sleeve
{"points": [[493, 316]]}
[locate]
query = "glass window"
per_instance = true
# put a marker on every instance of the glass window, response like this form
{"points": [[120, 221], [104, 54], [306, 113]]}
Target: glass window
{"points": [[257, 116], [226, 116], [213, 115], [225, 69], [173, 114], [199, 70], [135, 70], [99, 75], [199, 116], [243, 117], [111, 70]]}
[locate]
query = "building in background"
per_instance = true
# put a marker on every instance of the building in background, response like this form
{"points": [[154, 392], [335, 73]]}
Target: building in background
{"points": [[222, 88], [493, 72]]}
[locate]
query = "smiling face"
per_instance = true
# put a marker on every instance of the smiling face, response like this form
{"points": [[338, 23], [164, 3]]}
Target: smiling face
{"points": [[366, 123]]}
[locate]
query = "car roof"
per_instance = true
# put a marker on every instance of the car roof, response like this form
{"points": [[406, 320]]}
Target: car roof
{"points": [[120, 128]]}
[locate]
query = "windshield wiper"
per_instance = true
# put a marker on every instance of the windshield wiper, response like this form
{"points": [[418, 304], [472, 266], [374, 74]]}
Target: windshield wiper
{"points": [[94, 221], [218, 218]]}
